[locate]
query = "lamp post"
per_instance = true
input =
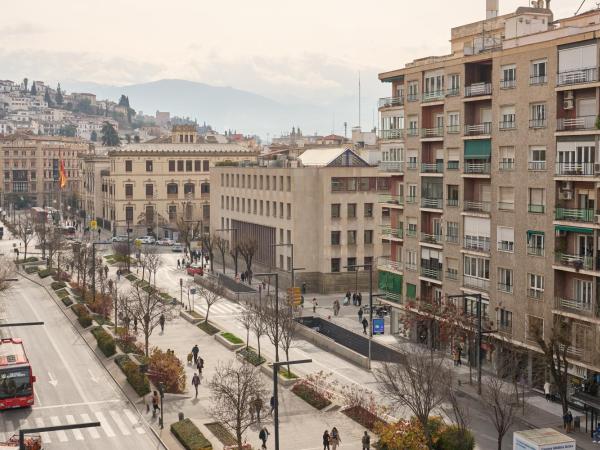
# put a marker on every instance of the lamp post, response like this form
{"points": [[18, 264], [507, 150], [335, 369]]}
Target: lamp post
{"points": [[370, 268], [293, 269]]}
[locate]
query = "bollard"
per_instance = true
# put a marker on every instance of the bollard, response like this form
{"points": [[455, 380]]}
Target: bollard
{"points": [[180, 415]]}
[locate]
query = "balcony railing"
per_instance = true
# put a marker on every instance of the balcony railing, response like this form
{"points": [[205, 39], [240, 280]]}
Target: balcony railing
{"points": [[577, 261], [411, 199], [391, 166], [391, 199], [577, 76], [478, 129], [395, 133], [412, 232], [452, 202], [477, 243], [574, 214], [433, 96], [483, 207], [477, 89], [431, 203], [412, 97], [583, 354], [578, 123], [433, 272], [452, 92], [386, 102], [385, 263], [535, 251], [508, 84], [507, 165], [575, 169], [476, 283], [437, 132], [506, 246], [432, 238], [536, 165], [538, 79], [452, 238], [477, 168], [504, 287], [506, 206], [577, 306], [536, 209], [505, 328], [437, 167], [538, 123], [411, 165], [452, 274], [412, 131], [453, 165], [535, 293], [452, 129], [507, 125], [388, 232]]}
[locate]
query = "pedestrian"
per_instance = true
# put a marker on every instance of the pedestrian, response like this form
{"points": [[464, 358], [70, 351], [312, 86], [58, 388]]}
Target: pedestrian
{"points": [[243, 277], [315, 304], [178, 264], [366, 441], [196, 383], [365, 324], [272, 405], [335, 438], [596, 435], [161, 320], [135, 323], [455, 356], [360, 314], [105, 271], [263, 436], [336, 307], [200, 365], [118, 274], [326, 440], [459, 351], [195, 351], [359, 298], [547, 390], [569, 421], [258, 405], [155, 406]]}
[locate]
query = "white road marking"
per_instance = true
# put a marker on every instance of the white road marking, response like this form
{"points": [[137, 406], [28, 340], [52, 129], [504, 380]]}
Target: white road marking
{"points": [[76, 432], [45, 435], [62, 436], [137, 424], [92, 377], [70, 405], [105, 424], [36, 396], [92, 431], [122, 427], [53, 381]]}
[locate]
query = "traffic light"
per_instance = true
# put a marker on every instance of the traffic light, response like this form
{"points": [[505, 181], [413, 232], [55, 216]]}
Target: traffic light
{"points": [[294, 296]]}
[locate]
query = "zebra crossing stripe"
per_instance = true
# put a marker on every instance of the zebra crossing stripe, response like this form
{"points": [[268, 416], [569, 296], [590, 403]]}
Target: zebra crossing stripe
{"points": [[45, 435], [105, 424], [62, 436], [76, 432], [134, 421], [92, 431], [117, 419]]}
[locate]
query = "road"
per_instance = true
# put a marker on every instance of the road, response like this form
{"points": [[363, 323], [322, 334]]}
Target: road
{"points": [[72, 386]]}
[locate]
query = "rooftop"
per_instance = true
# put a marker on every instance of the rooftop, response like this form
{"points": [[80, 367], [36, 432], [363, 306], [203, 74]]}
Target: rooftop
{"points": [[321, 157], [183, 148]]}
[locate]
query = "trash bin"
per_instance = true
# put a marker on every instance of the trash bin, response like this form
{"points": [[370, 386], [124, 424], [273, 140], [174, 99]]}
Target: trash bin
{"points": [[577, 423], [181, 416]]}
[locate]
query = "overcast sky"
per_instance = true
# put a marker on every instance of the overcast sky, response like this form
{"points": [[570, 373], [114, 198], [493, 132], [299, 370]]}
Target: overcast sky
{"points": [[308, 50]]}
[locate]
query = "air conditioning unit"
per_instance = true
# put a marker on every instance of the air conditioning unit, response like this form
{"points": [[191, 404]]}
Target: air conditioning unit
{"points": [[568, 104], [569, 95], [565, 195], [566, 186]]}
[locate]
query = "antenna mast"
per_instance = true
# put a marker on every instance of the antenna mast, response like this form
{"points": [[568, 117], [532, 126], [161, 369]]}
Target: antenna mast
{"points": [[359, 98]]}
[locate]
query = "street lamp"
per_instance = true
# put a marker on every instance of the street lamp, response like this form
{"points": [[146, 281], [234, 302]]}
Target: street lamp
{"points": [[370, 268], [289, 244]]}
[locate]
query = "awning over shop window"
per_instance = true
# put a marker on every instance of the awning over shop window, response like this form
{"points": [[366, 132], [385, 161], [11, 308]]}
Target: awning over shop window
{"points": [[478, 149], [574, 229]]}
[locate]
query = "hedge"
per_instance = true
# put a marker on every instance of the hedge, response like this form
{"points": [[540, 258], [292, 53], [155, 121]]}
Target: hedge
{"points": [[232, 338], [44, 273], [251, 356], [208, 328], [138, 381], [310, 396], [62, 293], [31, 269], [190, 436], [67, 301], [56, 285], [83, 315], [27, 260], [106, 343], [131, 277]]}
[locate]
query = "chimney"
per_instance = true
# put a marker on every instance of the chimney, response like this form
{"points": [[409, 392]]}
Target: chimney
{"points": [[491, 9]]}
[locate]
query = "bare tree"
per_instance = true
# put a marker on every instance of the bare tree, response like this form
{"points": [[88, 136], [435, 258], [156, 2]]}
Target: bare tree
{"points": [[209, 245], [270, 317], [419, 382], [288, 328], [235, 256], [223, 247], [499, 405], [247, 249], [259, 327], [245, 320], [24, 231], [233, 389], [7, 271], [187, 230], [42, 230], [457, 410], [212, 293], [152, 261], [53, 244]]}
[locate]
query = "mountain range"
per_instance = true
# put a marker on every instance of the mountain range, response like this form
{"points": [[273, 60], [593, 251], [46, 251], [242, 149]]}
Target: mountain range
{"points": [[227, 108]]}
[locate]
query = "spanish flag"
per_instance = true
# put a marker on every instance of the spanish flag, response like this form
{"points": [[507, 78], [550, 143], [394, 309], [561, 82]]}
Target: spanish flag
{"points": [[62, 175]]}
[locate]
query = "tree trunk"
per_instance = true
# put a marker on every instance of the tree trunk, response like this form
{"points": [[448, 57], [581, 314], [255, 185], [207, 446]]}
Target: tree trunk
{"points": [[146, 341], [207, 311], [500, 439], [258, 345]]}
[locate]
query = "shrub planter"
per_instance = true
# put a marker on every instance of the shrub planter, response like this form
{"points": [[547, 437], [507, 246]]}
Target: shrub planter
{"points": [[363, 417], [310, 396], [284, 380], [190, 436], [66, 301], [191, 316], [229, 340], [208, 328], [106, 343], [249, 354], [57, 285], [30, 269], [138, 381], [222, 434]]}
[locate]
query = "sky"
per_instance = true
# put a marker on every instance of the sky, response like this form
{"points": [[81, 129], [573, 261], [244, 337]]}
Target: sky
{"points": [[310, 51]]}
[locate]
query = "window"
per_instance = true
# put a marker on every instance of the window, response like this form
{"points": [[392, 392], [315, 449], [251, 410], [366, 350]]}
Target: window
{"points": [[335, 238], [149, 165], [172, 213], [368, 261], [535, 285], [412, 159], [289, 211], [506, 198], [509, 76], [172, 189], [452, 232], [507, 117], [433, 85], [411, 290], [205, 188], [128, 165], [413, 91], [453, 84], [505, 280], [189, 188], [368, 207], [535, 243], [171, 165], [129, 191], [206, 165], [129, 213], [335, 264], [411, 260], [412, 227], [504, 320], [412, 193], [452, 194], [506, 239], [539, 74], [197, 165], [351, 237], [538, 115], [507, 158], [413, 125], [476, 272], [537, 201], [351, 263], [537, 158], [453, 122], [351, 210], [453, 159], [368, 237], [335, 210], [289, 236], [180, 169], [149, 190]]}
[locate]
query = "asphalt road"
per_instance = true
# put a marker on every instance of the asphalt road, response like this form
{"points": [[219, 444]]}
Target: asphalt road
{"points": [[72, 386]]}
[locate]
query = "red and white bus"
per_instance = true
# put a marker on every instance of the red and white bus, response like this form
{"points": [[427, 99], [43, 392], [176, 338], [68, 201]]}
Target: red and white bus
{"points": [[16, 379]]}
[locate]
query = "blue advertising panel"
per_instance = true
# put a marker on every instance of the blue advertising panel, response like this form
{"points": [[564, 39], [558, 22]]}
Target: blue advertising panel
{"points": [[378, 326]]}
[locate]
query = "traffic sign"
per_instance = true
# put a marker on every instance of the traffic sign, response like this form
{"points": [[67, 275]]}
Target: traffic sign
{"points": [[93, 224], [294, 296]]}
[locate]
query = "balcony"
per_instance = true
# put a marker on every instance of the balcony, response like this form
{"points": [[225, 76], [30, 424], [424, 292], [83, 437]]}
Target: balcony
{"points": [[582, 354], [538, 123], [437, 167], [508, 84], [394, 133], [432, 238], [535, 251], [388, 232], [412, 132], [536, 209], [391, 166], [476, 243], [536, 165], [476, 283], [577, 262], [507, 125], [478, 89], [575, 169], [479, 207], [453, 92], [578, 123], [386, 102], [574, 214], [538, 79], [385, 263], [433, 96], [437, 132], [452, 274], [397, 200], [478, 168], [412, 97], [480, 129], [435, 203], [577, 76], [432, 271], [577, 306]]}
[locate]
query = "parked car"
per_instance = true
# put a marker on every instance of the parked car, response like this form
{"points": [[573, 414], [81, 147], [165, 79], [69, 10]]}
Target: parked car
{"points": [[120, 238], [167, 242], [195, 269], [147, 240], [177, 248]]}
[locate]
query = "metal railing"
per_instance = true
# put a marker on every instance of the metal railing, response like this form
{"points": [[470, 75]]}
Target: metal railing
{"points": [[535, 293], [451, 129], [478, 168], [391, 166], [507, 125], [506, 246], [394, 133], [386, 102], [411, 232], [410, 266], [411, 165], [536, 209], [431, 238], [537, 123], [478, 129], [577, 169], [411, 199], [538, 79], [453, 165], [576, 261], [587, 75], [391, 199], [575, 305], [412, 131], [484, 207], [437, 167], [452, 202], [508, 84], [577, 123], [452, 274], [506, 165], [574, 214], [506, 206], [535, 251], [477, 243], [451, 92], [436, 132], [505, 328], [536, 165], [431, 202], [388, 232], [433, 272], [385, 263], [452, 238], [412, 97], [503, 287], [476, 283], [477, 89], [433, 96]]}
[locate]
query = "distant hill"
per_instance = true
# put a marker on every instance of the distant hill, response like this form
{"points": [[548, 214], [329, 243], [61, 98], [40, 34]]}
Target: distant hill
{"points": [[226, 107]]}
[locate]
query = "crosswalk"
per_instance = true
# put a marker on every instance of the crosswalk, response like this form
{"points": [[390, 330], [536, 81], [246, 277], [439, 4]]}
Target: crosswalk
{"points": [[224, 308], [113, 424]]}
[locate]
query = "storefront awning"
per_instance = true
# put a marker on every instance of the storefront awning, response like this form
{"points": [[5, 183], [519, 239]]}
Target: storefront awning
{"points": [[478, 149], [574, 229]]}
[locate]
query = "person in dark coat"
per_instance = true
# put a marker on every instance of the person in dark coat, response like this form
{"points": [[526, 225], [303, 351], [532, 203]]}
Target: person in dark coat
{"points": [[326, 440], [365, 324]]}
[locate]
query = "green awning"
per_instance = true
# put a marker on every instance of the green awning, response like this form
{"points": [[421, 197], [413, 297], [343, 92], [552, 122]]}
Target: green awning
{"points": [[530, 232], [574, 229], [411, 290], [390, 282], [478, 149]]}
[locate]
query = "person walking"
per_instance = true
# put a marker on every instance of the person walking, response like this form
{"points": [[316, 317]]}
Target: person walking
{"points": [[360, 314], [272, 402], [258, 405], [178, 264], [161, 320], [366, 441], [135, 324], [354, 299], [196, 383], [326, 440], [118, 274], [335, 438], [155, 401], [459, 351], [455, 356], [263, 436], [336, 307], [243, 277], [315, 304], [365, 324], [200, 365], [195, 351], [547, 390], [569, 421], [359, 298]]}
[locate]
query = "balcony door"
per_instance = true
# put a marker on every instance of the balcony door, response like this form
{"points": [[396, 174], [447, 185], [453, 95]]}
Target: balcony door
{"points": [[586, 107], [437, 227], [485, 115], [485, 192], [585, 244], [583, 293]]}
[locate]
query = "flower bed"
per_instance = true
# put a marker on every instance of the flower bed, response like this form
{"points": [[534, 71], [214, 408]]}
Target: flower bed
{"points": [[287, 375], [232, 338], [27, 260], [363, 417], [56, 285], [221, 433], [131, 277], [208, 328], [31, 269], [106, 343], [45, 273], [101, 320], [167, 369], [138, 381], [83, 315], [190, 436], [248, 354], [66, 301], [310, 396], [62, 293]]}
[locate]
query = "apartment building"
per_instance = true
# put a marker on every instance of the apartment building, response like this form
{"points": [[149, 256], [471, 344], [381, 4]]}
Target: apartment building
{"points": [[30, 167], [493, 153], [94, 167], [325, 204]]}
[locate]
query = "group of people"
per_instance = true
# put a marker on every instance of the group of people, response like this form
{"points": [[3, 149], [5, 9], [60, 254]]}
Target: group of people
{"points": [[332, 439], [456, 355], [356, 298], [198, 362]]}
